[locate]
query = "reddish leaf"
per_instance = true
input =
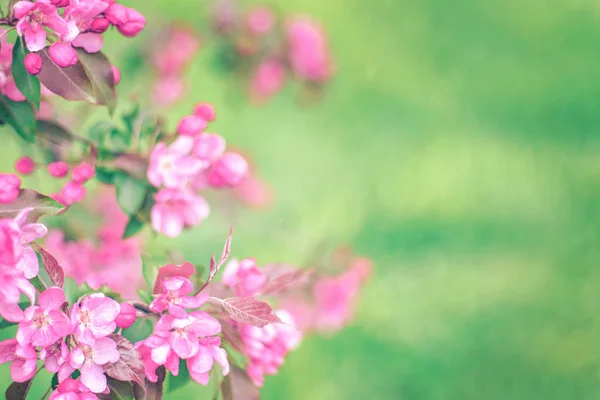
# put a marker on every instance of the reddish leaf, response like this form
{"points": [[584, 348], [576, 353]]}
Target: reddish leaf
{"points": [[232, 335], [214, 265], [119, 390], [186, 270], [130, 366], [100, 73], [72, 83], [151, 391], [238, 386], [18, 390], [55, 271], [42, 205], [250, 311], [281, 277]]}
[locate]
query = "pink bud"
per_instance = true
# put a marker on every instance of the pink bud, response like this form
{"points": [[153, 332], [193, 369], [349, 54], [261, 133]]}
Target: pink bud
{"points": [[24, 165], [10, 184], [206, 111], [116, 14], [229, 170], [209, 146], [260, 20], [61, 3], [33, 63], [72, 193], [191, 125], [83, 173], [58, 169], [116, 75], [109, 1], [134, 25], [63, 54], [100, 25], [126, 317]]}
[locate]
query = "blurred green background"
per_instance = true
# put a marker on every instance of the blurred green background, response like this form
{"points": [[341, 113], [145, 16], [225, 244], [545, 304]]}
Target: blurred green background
{"points": [[457, 147]]}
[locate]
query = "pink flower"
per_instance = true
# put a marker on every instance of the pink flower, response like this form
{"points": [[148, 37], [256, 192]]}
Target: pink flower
{"points": [[191, 125], [205, 111], [81, 13], [156, 348], [58, 169], [33, 17], [308, 50], [55, 358], [28, 263], [83, 173], [63, 54], [10, 185], [244, 277], [172, 166], [71, 389], [11, 250], [126, 317], [100, 25], [208, 146], [89, 41], [33, 63], [12, 285], [168, 89], [200, 364], [90, 359], [260, 20], [174, 291], [116, 74], [24, 360], [45, 324], [25, 165], [72, 193], [229, 170], [94, 318], [175, 209], [268, 79], [61, 3], [127, 20]]}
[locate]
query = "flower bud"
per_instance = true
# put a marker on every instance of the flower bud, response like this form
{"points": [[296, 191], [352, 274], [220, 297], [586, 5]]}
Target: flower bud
{"points": [[116, 14], [191, 125], [206, 111], [83, 173], [260, 20], [208, 146], [229, 170], [33, 63], [10, 184], [134, 25], [63, 54], [126, 317], [61, 3], [58, 169], [100, 25], [72, 193], [24, 165], [116, 75]]}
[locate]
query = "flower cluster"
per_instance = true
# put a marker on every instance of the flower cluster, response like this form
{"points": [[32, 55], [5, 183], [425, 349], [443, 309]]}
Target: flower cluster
{"points": [[70, 23], [194, 161]]}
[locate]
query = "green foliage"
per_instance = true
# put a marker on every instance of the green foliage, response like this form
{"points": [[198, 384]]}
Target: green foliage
{"points": [[28, 85], [131, 193], [141, 329], [19, 115], [134, 226], [179, 381]]}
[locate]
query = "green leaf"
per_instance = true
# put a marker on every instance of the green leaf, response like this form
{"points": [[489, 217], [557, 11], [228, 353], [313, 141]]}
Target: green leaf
{"points": [[54, 381], [119, 390], [145, 296], [131, 193], [36, 281], [105, 175], [20, 115], [100, 73], [28, 198], [179, 381], [28, 85], [133, 226], [53, 134], [141, 329], [149, 269], [130, 118]]}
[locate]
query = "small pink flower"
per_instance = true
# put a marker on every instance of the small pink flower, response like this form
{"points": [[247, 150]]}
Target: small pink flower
{"points": [[229, 170], [63, 54], [127, 20], [55, 357], [28, 263], [191, 125], [268, 79], [174, 292], [175, 209], [11, 250], [33, 17], [90, 360], [208, 146], [83, 173], [260, 20], [168, 89], [58, 169], [89, 41], [200, 364], [244, 277], [308, 50], [10, 185], [12, 285], [116, 74], [45, 324], [126, 317], [24, 360], [205, 111], [72, 193], [94, 318], [25, 165], [156, 351], [71, 389], [116, 14], [172, 166], [33, 63]]}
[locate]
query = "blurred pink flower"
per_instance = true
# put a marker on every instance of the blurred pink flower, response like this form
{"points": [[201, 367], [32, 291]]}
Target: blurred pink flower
{"points": [[244, 277], [177, 208], [10, 184], [172, 166], [308, 50]]}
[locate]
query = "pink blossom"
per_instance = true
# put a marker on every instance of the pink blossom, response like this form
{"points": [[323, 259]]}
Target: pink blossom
{"points": [[81, 13], [172, 166], [89, 41], [127, 20], [156, 348], [126, 317], [191, 125], [25, 165], [268, 79], [7, 82], [33, 63], [116, 74], [308, 50], [209, 146], [71, 389], [168, 89], [200, 364], [179, 50], [253, 191], [33, 17], [10, 185], [90, 359], [244, 277], [174, 291], [100, 25], [72, 193], [177, 208], [12, 284], [55, 359], [229, 170], [61, 3], [28, 263], [11, 250], [94, 318], [83, 173], [23, 358], [58, 169], [260, 20], [63, 54], [116, 14], [205, 111], [45, 324]]}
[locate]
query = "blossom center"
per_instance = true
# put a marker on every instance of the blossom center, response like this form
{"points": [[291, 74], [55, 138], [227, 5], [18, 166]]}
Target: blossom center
{"points": [[85, 317], [173, 298], [41, 320], [88, 352]]}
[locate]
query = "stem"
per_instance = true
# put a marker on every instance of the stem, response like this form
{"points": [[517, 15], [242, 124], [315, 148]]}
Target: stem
{"points": [[47, 393]]}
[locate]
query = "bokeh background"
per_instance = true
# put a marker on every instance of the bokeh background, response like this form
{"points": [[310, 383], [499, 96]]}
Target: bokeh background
{"points": [[457, 147]]}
